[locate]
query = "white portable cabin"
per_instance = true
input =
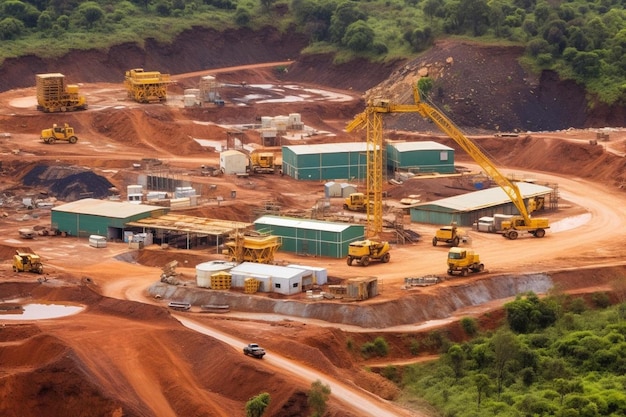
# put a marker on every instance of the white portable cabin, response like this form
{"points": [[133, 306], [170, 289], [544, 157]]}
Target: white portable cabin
{"points": [[272, 278], [97, 241]]}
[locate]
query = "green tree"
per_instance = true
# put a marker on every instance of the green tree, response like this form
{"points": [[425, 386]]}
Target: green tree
{"points": [[344, 15], [483, 384], [242, 16], [505, 348], [425, 86], [255, 407], [358, 36], [11, 28], [456, 357], [476, 15], [318, 397], [91, 13], [267, 5], [432, 8]]}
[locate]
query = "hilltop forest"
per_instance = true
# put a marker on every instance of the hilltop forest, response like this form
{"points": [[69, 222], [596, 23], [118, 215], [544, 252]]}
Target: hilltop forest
{"points": [[583, 41]]}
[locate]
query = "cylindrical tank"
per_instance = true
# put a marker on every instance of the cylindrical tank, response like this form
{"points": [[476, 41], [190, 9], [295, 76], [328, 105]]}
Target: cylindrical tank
{"points": [[189, 100], [206, 269]]}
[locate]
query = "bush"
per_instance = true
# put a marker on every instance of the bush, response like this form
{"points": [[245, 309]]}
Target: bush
{"points": [[469, 325]]}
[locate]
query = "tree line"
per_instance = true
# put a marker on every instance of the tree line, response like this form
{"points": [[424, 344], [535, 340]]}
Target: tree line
{"points": [[581, 40]]}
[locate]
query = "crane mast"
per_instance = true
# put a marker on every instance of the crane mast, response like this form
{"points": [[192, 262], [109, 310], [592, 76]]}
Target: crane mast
{"points": [[372, 120]]}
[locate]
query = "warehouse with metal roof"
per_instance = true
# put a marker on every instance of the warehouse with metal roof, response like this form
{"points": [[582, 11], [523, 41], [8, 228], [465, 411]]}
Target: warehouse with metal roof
{"points": [[420, 157], [115, 219], [326, 161], [468, 208], [311, 237], [91, 216]]}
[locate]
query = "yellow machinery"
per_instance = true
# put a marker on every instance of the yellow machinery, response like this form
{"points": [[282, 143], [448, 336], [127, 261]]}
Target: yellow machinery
{"points": [[355, 202], [364, 251], [510, 229], [65, 133], [27, 262], [259, 249], [371, 118], [146, 86], [448, 234], [53, 95], [463, 261], [262, 162]]}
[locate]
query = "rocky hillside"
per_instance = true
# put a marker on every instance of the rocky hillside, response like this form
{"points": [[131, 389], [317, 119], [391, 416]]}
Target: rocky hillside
{"points": [[479, 87]]}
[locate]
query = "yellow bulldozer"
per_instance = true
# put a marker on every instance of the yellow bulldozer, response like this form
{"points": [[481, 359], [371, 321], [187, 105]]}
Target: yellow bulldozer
{"points": [[27, 262], [364, 251], [65, 133]]}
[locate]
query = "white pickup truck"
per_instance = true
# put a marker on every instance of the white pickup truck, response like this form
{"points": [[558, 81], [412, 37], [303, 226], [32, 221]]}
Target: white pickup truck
{"points": [[254, 350]]}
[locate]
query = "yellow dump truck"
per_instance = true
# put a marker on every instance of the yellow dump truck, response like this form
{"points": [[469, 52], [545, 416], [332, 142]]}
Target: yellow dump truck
{"points": [[54, 95], [451, 235], [27, 262], [65, 133], [364, 251], [462, 261]]}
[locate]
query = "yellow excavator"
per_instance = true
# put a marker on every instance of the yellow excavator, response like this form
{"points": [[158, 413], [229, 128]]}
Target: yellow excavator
{"points": [[517, 224], [371, 119]]}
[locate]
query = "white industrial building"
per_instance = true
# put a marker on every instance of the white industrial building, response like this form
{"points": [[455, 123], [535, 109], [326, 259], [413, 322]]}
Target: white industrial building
{"points": [[272, 278]]}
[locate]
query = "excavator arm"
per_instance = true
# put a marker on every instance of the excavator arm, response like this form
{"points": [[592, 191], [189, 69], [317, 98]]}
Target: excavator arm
{"points": [[510, 188]]}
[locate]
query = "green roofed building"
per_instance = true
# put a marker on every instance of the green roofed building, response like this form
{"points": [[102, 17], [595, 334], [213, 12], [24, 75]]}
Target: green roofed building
{"points": [[100, 217], [311, 237], [420, 157], [326, 161]]}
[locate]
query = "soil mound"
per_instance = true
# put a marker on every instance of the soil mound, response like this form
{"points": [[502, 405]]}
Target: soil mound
{"points": [[68, 183]]}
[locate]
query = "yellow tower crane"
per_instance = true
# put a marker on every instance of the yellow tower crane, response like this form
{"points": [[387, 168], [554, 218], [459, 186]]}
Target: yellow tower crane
{"points": [[372, 120]]}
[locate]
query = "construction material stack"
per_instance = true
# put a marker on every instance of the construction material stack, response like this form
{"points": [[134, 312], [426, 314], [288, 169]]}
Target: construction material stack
{"points": [[53, 95], [146, 86]]}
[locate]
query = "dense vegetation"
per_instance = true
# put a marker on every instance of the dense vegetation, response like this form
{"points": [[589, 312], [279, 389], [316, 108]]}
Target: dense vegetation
{"points": [[582, 40], [554, 357]]}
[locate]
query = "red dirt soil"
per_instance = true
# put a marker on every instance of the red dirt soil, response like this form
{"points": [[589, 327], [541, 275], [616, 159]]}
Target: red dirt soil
{"points": [[126, 354]]}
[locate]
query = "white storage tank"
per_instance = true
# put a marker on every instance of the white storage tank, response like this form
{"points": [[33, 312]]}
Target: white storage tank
{"points": [[189, 100], [206, 269]]}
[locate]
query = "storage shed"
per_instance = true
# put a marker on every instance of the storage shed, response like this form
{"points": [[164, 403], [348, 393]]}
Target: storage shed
{"points": [[272, 278], [311, 237], [466, 209], [233, 162], [91, 216], [319, 276], [325, 161], [420, 157]]}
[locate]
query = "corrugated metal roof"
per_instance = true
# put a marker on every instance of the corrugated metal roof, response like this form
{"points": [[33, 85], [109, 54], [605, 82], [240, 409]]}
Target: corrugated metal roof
{"points": [[487, 198], [419, 146], [275, 271], [106, 208], [302, 223], [328, 148], [191, 224]]}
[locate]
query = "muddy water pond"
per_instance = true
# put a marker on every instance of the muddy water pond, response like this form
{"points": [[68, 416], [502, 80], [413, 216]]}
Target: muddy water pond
{"points": [[19, 312]]}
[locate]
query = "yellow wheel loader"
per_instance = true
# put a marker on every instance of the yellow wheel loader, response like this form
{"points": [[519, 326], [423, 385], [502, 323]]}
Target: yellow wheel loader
{"points": [[65, 133], [27, 262], [364, 251]]}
